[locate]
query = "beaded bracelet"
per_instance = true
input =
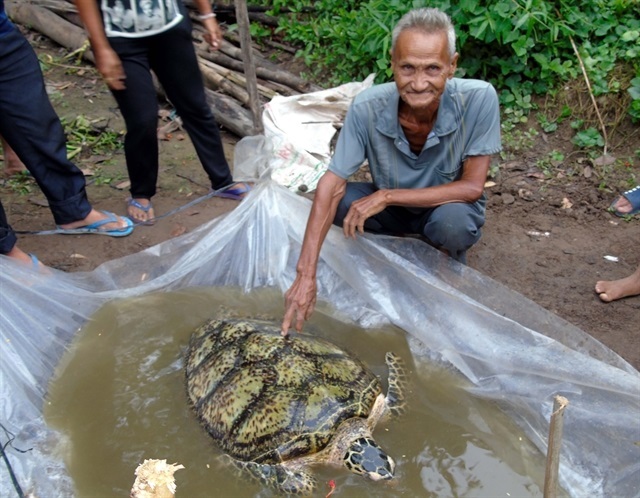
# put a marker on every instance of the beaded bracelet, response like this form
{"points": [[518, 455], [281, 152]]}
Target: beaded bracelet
{"points": [[210, 15]]}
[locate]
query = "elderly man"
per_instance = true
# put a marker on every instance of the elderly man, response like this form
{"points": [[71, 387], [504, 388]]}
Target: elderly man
{"points": [[428, 138]]}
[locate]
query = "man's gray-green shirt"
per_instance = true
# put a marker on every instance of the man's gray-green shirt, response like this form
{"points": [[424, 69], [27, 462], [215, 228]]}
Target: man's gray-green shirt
{"points": [[468, 124]]}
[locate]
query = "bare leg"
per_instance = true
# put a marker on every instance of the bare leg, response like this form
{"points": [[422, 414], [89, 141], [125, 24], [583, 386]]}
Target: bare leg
{"points": [[12, 163], [19, 255], [611, 290]]}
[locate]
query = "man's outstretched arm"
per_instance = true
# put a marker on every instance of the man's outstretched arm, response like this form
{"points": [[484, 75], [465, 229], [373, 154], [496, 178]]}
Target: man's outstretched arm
{"points": [[300, 299]]}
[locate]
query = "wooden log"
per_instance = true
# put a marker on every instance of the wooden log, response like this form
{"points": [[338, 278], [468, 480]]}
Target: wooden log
{"points": [[215, 80], [278, 76], [236, 78], [51, 25], [230, 114]]}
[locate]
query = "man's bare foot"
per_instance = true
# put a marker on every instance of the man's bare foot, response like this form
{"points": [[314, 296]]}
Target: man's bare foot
{"points": [[95, 216], [141, 211], [611, 290]]}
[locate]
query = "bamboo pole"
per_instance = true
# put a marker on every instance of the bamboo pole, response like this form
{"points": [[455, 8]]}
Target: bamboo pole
{"points": [[553, 448]]}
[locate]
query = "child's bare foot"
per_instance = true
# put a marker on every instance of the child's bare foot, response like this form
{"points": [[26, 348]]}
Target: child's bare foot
{"points": [[141, 211], [611, 290]]}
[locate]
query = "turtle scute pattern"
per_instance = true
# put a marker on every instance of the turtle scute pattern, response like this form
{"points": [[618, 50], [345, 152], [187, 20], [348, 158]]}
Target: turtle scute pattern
{"points": [[266, 398]]}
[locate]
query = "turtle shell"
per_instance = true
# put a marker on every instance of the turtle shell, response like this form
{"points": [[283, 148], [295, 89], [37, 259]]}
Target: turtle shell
{"points": [[266, 398]]}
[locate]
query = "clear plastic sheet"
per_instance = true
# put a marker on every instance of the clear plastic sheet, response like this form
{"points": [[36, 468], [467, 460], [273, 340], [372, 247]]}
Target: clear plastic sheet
{"points": [[510, 350]]}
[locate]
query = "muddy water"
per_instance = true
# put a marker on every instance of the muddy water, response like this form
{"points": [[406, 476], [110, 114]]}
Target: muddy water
{"points": [[119, 398]]}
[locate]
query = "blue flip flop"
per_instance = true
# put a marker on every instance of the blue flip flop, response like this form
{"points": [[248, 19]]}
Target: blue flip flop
{"points": [[97, 229], [633, 196], [34, 261], [235, 191], [137, 205]]}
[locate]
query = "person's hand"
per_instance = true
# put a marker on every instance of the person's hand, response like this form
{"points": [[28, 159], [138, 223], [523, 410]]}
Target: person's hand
{"points": [[110, 67], [299, 303], [361, 210], [213, 35]]}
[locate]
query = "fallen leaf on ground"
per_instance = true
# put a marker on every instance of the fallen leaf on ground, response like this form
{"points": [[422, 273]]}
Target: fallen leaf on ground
{"points": [[123, 185], [537, 174], [604, 160], [39, 202]]}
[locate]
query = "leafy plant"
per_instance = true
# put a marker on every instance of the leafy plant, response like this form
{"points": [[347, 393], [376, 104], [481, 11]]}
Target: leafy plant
{"points": [[523, 47], [588, 138]]}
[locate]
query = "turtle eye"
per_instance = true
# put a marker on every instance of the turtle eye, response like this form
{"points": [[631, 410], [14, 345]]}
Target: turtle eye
{"points": [[357, 446]]}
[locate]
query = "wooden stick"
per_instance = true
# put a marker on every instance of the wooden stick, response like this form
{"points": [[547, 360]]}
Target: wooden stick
{"points": [[553, 448], [242, 16]]}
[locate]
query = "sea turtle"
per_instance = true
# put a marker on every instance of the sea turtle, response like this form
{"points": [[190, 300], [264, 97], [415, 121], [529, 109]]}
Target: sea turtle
{"points": [[277, 405]]}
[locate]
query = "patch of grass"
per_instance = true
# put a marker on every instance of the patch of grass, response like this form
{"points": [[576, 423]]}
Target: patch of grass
{"points": [[101, 176], [85, 135], [515, 140], [21, 183]]}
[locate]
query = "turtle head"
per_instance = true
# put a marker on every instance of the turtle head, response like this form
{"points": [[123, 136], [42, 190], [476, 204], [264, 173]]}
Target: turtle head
{"points": [[365, 457]]}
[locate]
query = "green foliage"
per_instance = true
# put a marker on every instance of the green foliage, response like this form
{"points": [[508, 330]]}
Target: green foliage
{"points": [[22, 183], [549, 164], [588, 138], [523, 47], [83, 134], [634, 91]]}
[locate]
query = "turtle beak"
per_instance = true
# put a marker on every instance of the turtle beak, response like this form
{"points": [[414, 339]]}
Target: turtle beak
{"points": [[383, 472]]}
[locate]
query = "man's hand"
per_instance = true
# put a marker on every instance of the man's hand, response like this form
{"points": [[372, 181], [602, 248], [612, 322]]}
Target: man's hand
{"points": [[299, 303], [361, 210], [110, 67]]}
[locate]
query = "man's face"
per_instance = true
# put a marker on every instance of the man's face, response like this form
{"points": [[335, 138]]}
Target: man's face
{"points": [[421, 67]]}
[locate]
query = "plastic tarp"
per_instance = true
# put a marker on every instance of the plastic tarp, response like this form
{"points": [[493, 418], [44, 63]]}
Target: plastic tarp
{"points": [[510, 350]]}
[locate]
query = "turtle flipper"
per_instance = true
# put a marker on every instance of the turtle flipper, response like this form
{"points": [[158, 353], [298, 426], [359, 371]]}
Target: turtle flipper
{"points": [[281, 478], [397, 384]]}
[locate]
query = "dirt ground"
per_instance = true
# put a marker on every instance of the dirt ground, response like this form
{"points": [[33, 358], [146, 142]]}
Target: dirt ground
{"points": [[546, 237]]}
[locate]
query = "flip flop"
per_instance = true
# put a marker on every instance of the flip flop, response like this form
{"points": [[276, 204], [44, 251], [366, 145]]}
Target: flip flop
{"points": [[633, 196], [97, 229], [235, 191], [34, 261], [141, 207]]}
